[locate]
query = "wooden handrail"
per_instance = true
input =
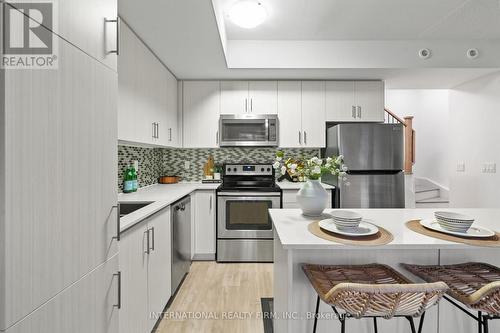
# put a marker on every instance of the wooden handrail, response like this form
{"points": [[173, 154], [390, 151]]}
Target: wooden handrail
{"points": [[409, 135], [395, 116]]}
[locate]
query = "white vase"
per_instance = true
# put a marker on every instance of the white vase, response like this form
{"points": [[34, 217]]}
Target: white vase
{"points": [[312, 198]]}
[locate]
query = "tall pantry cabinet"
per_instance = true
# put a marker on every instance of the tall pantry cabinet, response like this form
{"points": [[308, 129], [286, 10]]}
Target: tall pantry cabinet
{"points": [[58, 167]]}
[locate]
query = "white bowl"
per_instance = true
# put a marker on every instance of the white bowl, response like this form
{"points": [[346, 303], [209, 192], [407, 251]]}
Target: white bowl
{"points": [[451, 216], [345, 215], [461, 226]]}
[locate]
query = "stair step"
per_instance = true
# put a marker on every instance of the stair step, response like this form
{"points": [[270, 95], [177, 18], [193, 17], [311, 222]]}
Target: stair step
{"points": [[434, 200], [427, 194]]}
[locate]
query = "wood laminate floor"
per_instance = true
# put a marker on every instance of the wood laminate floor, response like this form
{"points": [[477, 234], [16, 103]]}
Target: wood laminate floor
{"points": [[220, 298]]}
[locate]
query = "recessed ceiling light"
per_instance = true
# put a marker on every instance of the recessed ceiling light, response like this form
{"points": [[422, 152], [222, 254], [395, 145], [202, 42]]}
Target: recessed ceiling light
{"points": [[247, 13]]}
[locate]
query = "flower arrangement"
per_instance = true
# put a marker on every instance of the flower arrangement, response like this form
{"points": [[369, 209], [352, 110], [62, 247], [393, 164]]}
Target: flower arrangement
{"points": [[312, 168]]}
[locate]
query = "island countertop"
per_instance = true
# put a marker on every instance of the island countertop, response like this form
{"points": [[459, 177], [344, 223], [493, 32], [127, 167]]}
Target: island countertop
{"points": [[291, 228]]}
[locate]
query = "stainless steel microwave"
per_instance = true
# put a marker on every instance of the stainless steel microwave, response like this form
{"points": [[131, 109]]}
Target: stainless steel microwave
{"points": [[248, 130]]}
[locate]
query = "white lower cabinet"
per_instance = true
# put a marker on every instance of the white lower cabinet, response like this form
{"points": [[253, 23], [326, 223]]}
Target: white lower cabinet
{"points": [[89, 305], [290, 199], [204, 225], [145, 265]]}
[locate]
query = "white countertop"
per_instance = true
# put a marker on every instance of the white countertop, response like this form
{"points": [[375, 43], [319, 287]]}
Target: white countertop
{"points": [[160, 196], [287, 185], [291, 227]]}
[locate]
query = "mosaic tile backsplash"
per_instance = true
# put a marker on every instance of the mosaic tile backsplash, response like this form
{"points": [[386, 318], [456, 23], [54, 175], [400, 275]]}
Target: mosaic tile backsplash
{"points": [[154, 162]]}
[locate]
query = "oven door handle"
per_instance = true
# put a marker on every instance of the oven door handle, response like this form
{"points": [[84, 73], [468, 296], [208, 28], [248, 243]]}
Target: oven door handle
{"points": [[249, 194]]}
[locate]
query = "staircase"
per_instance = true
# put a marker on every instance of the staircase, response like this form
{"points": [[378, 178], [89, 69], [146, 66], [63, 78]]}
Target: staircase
{"points": [[429, 195]]}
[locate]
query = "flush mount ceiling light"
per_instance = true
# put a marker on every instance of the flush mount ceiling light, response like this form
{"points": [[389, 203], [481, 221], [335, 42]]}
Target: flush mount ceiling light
{"points": [[247, 13]]}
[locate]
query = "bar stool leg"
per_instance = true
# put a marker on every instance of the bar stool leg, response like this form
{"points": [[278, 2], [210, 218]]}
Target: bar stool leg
{"points": [[479, 322], [342, 325], [421, 323], [485, 324], [412, 324], [375, 324], [316, 315]]}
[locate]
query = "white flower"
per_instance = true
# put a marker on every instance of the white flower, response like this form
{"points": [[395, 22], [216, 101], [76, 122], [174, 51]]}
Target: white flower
{"points": [[316, 160], [276, 165], [316, 170], [283, 170], [328, 160], [293, 166], [278, 158], [344, 168]]}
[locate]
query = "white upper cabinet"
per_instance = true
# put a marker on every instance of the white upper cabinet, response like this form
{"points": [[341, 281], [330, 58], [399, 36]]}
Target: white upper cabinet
{"points": [[263, 97], [234, 97], [313, 114], [147, 110], [301, 111], [201, 107], [249, 97], [370, 100], [290, 113], [351, 101]]}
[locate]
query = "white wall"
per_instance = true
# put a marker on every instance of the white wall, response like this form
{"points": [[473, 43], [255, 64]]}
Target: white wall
{"points": [[430, 107], [474, 119]]}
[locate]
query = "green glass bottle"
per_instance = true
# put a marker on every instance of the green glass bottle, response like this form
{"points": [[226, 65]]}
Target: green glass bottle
{"points": [[128, 180], [135, 183]]}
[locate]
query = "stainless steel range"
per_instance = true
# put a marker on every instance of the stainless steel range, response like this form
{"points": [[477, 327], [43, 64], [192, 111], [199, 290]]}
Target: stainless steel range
{"points": [[244, 229]]}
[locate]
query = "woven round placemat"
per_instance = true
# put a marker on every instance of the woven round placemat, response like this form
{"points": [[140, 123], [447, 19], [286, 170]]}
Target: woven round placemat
{"points": [[415, 226], [382, 237]]}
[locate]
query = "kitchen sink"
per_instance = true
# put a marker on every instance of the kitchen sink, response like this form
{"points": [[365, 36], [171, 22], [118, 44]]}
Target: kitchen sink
{"points": [[130, 207]]}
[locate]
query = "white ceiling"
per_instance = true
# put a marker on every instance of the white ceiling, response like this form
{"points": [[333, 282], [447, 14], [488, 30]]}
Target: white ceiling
{"points": [[184, 35], [372, 20]]}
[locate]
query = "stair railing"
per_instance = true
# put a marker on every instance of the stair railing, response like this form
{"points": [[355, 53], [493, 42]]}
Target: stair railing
{"points": [[409, 135]]}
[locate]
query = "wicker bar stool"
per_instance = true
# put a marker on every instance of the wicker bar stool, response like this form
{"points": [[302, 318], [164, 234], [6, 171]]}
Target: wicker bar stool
{"points": [[476, 285], [371, 291]]}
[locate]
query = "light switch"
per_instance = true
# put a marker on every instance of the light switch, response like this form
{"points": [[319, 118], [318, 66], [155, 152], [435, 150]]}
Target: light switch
{"points": [[461, 167]]}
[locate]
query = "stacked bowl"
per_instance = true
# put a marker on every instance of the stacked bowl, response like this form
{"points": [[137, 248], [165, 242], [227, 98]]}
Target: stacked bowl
{"points": [[454, 221], [346, 220]]}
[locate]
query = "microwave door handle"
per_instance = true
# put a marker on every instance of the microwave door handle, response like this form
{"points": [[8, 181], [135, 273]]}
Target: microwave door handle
{"points": [[268, 132]]}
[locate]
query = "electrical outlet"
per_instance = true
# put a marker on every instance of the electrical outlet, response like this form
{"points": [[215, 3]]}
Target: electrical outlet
{"points": [[461, 167], [187, 165], [489, 168]]}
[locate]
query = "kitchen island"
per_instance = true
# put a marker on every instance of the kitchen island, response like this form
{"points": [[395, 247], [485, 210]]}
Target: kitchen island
{"points": [[294, 297]]}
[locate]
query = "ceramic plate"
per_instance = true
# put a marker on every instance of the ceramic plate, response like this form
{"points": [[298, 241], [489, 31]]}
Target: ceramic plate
{"points": [[365, 228], [473, 232]]}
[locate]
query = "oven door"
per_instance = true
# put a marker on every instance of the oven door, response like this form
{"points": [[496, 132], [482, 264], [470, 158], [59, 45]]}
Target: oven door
{"points": [[248, 130], [245, 215]]}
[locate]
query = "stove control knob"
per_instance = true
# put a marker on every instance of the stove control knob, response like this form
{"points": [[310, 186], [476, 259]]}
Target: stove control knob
{"points": [[268, 169], [228, 169], [234, 169], [262, 169]]}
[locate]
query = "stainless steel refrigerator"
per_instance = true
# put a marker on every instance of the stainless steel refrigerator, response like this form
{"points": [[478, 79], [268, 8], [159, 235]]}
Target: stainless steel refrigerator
{"points": [[374, 154]]}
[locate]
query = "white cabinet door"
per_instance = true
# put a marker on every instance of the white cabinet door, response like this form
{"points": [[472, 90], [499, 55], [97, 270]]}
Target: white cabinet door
{"points": [[90, 305], [204, 225], [234, 97], [263, 97], [64, 123], [159, 264], [290, 113], [82, 23], [313, 114], [370, 100], [340, 101], [172, 129], [134, 275], [201, 106]]}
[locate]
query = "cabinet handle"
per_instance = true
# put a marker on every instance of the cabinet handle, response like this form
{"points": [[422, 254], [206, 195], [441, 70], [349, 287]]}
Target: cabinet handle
{"points": [[251, 104], [117, 21], [119, 276], [300, 138], [147, 241], [152, 238], [170, 134], [153, 129], [157, 130], [246, 104], [353, 111], [359, 111], [210, 203], [305, 137], [217, 137], [117, 237]]}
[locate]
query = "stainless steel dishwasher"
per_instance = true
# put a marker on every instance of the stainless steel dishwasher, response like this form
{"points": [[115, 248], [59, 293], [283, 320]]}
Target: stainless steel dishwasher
{"points": [[181, 241]]}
